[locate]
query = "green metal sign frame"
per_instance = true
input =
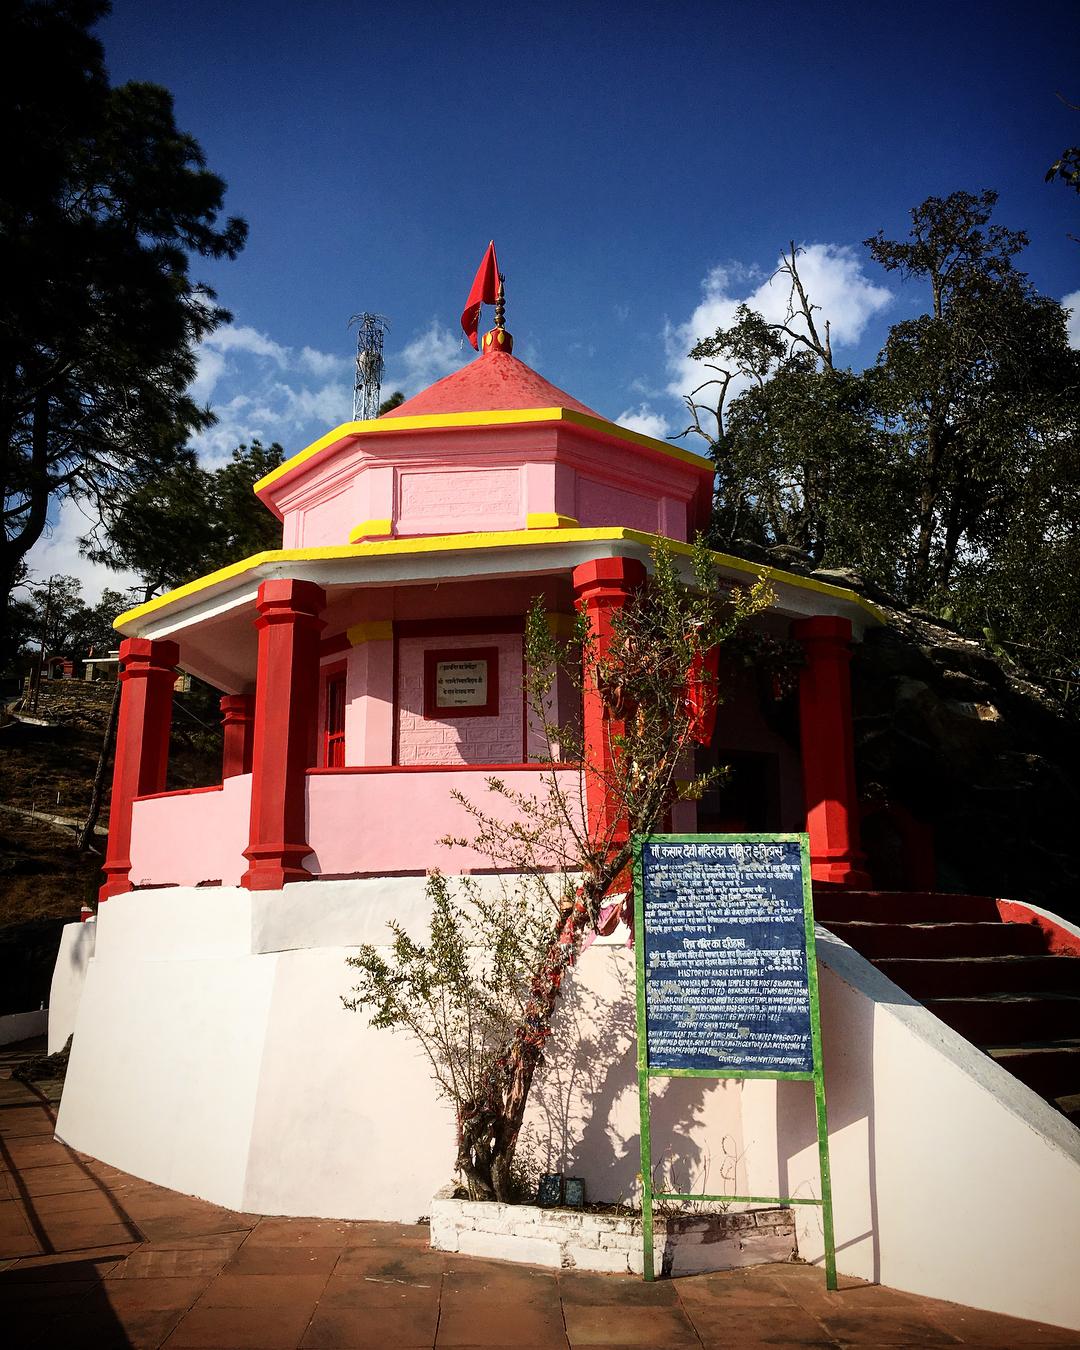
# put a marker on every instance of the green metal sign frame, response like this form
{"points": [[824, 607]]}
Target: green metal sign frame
{"points": [[816, 1076]]}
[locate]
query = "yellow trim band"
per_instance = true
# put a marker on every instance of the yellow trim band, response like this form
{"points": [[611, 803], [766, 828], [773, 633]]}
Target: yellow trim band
{"points": [[550, 520], [371, 529], [449, 543], [375, 630], [500, 418]]}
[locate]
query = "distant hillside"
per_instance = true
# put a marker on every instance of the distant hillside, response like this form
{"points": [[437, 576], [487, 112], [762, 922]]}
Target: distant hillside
{"points": [[49, 770]]}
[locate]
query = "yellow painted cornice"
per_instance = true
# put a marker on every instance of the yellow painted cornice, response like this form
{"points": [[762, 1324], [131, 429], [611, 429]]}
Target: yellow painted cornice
{"points": [[550, 520], [509, 539], [469, 420]]}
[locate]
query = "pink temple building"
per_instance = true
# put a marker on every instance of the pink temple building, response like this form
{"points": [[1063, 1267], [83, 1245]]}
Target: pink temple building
{"points": [[372, 665], [412, 547]]}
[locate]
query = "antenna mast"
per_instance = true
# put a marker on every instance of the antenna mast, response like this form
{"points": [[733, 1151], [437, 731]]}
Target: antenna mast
{"points": [[369, 364]]}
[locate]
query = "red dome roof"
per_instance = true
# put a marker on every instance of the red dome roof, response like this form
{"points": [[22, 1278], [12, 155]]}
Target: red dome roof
{"points": [[494, 382]]}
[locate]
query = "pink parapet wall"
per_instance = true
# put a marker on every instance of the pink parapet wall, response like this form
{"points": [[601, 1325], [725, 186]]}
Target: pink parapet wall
{"points": [[187, 838], [384, 821], [367, 821]]}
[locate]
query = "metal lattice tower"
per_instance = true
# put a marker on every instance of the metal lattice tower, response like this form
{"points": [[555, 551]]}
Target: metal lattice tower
{"points": [[370, 331]]}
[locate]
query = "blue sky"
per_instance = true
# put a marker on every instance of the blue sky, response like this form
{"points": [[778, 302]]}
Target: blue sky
{"points": [[639, 166]]}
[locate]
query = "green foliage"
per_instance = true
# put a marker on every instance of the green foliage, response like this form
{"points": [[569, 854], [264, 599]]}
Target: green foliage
{"points": [[396, 399], [947, 473], [1066, 168], [105, 200], [189, 520], [642, 677], [964, 388], [804, 464], [463, 998], [480, 996], [57, 613]]}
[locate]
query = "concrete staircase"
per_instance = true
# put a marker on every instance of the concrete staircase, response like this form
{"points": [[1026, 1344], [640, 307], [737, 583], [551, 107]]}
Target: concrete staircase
{"points": [[996, 983]]}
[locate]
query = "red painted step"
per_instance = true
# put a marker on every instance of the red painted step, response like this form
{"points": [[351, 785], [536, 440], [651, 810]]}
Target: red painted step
{"points": [[876, 940], [996, 983], [1051, 1070], [898, 907], [960, 976], [1069, 1106], [1010, 1019]]}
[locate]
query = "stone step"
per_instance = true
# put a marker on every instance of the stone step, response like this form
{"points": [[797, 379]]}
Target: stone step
{"points": [[1010, 1019], [961, 976], [883, 940], [838, 906], [1053, 1071], [1069, 1106]]}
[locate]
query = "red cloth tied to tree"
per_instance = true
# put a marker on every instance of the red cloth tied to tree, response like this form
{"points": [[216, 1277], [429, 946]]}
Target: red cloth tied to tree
{"points": [[485, 291], [699, 694]]}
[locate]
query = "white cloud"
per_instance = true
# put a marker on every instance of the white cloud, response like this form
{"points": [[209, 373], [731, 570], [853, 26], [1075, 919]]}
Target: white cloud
{"points": [[325, 406], [211, 367], [428, 357], [324, 364], [646, 420], [57, 553], [234, 337], [261, 389], [833, 277], [1072, 301]]}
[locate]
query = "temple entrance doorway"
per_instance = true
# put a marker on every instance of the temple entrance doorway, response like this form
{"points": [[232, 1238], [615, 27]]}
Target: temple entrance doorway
{"points": [[744, 800]]}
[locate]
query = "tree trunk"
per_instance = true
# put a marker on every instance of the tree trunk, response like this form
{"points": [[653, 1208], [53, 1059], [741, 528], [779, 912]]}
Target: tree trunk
{"points": [[526, 1053], [929, 494], [86, 837], [953, 531], [9, 571], [13, 550]]}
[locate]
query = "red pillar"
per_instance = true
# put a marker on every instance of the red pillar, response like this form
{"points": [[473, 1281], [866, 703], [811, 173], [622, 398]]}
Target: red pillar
{"points": [[602, 587], [286, 711], [147, 675], [828, 751], [237, 724]]}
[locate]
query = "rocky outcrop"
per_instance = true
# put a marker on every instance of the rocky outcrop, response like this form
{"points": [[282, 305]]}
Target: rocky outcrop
{"points": [[983, 758]]}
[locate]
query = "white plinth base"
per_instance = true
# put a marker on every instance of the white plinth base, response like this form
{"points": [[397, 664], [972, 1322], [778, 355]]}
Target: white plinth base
{"points": [[608, 1243], [212, 1054]]}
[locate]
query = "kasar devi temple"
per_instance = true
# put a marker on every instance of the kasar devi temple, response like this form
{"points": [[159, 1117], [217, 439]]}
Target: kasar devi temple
{"points": [[372, 666], [375, 661]]}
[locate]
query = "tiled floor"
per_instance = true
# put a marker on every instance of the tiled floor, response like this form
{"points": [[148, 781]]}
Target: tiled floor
{"points": [[91, 1257]]}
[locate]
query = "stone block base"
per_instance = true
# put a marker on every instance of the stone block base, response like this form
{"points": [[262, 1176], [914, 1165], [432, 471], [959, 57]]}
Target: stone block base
{"points": [[611, 1244]]}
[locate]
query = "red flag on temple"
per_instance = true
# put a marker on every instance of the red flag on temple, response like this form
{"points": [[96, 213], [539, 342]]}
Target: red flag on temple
{"points": [[485, 291]]}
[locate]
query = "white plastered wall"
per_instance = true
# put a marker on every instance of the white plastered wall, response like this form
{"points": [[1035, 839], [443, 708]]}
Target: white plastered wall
{"points": [[951, 1177], [69, 976], [212, 1055]]}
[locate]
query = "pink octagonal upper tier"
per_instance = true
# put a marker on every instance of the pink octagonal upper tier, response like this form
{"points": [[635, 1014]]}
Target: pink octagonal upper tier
{"points": [[492, 447]]}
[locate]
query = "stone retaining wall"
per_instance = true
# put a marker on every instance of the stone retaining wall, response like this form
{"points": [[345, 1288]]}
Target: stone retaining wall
{"points": [[581, 1240]]}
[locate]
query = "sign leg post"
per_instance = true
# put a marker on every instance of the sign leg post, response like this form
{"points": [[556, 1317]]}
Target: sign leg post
{"points": [[826, 1180], [646, 1177], [644, 1103], [820, 1113], [739, 910]]}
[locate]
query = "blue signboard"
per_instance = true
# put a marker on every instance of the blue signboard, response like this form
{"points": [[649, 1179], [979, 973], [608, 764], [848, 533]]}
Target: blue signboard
{"points": [[727, 985], [724, 943]]}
